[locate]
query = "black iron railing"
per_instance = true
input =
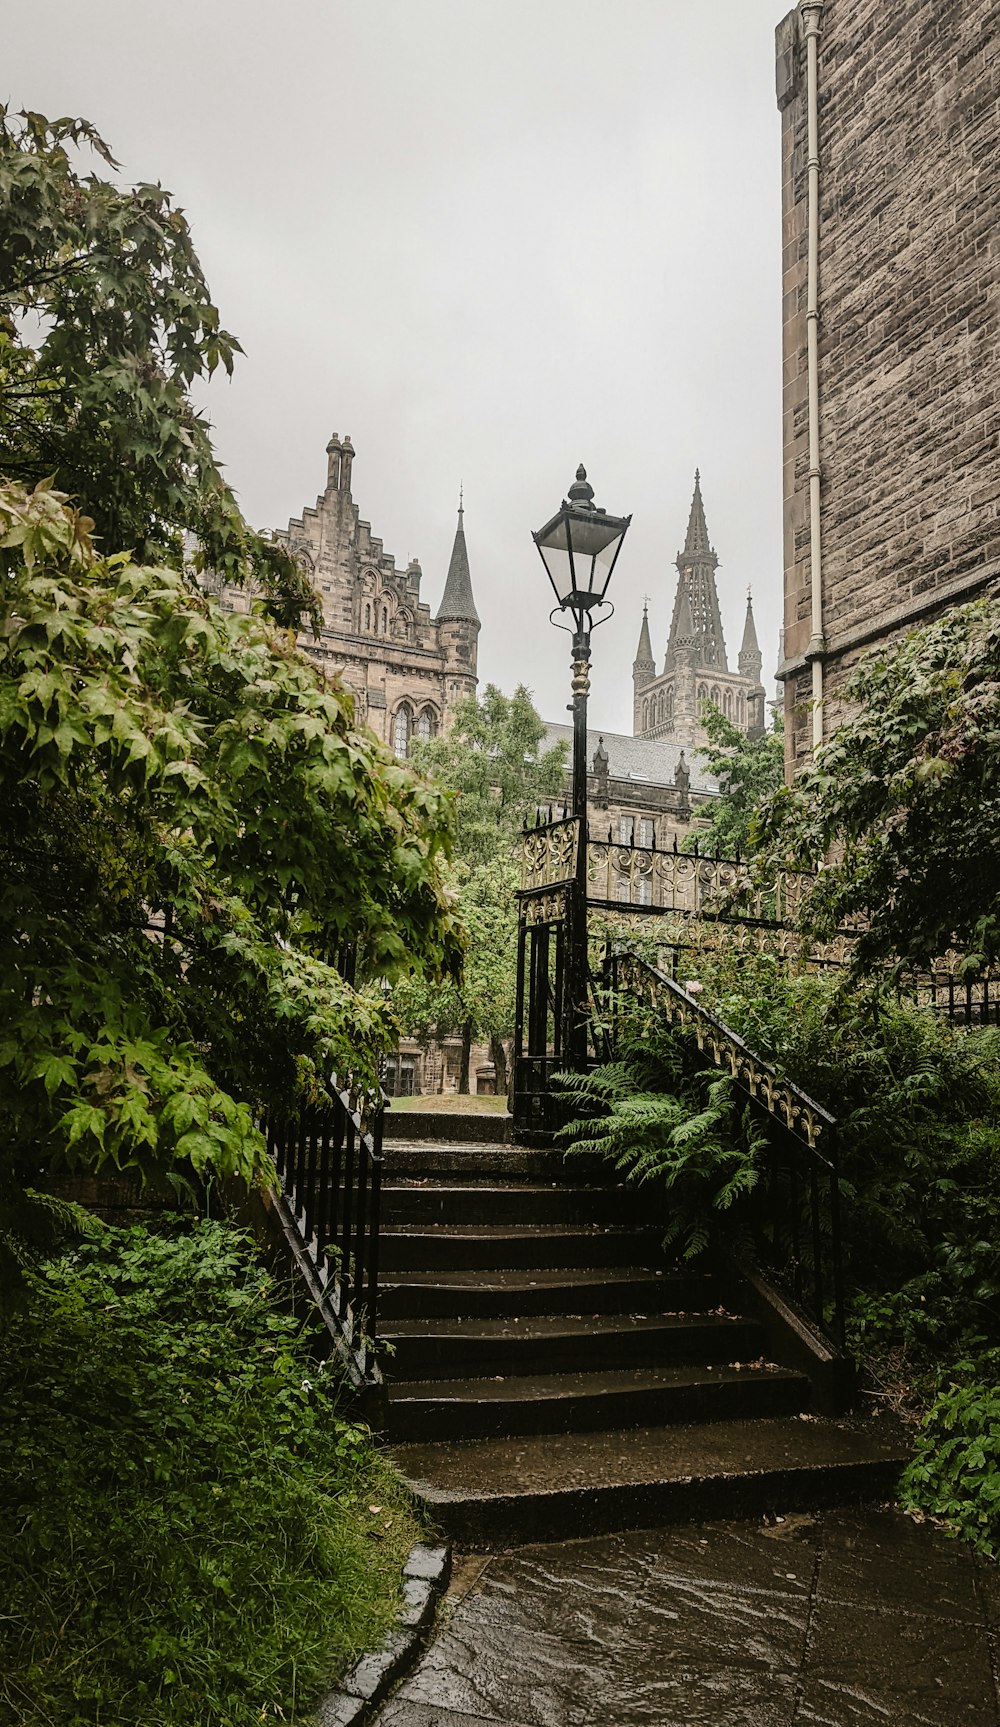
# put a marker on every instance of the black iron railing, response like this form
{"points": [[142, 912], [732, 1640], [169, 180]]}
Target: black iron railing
{"points": [[964, 1000], [328, 1162], [794, 1213]]}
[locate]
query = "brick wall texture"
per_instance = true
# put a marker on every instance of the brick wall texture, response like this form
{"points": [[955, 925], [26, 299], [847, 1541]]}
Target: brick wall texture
{"points": [[909, 331]]}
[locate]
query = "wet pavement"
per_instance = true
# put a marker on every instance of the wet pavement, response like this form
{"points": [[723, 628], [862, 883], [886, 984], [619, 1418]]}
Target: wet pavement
{"points": [[840, 1619]]}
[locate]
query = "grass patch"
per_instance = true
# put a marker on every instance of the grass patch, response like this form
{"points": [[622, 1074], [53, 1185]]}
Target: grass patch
{"points": [[192, 1536], [451, 1103]]}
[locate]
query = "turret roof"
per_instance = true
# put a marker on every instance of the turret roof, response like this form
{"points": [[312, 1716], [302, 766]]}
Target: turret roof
{"points": [[457, 600], [644, 652], [749, 644]]}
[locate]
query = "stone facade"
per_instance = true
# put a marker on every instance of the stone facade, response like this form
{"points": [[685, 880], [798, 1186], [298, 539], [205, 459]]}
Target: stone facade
{"points": [[641, 791], [908, 135], [406, 669], [696, 671]]}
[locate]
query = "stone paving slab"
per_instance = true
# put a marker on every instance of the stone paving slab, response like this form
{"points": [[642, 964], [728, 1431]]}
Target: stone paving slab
{"points": [[836, 1619]]}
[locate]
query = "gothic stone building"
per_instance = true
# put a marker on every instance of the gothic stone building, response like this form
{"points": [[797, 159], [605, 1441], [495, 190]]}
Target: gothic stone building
{"points": [[890, 146], [696, 671], [405, 669]]}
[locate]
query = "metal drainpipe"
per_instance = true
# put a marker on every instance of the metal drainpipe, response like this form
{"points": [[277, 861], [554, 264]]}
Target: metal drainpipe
{"points": [[811, 14]]}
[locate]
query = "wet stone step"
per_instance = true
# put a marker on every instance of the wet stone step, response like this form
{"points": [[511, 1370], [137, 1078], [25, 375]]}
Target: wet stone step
{"points": [[526, 1203], [574, 1402], [564, 1342], [553, 1487], [505, 1293], [468, 1247], [487, 1163]]}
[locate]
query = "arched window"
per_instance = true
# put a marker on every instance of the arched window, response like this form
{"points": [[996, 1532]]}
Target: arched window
{"points": [[645, 716], [702, 695], [385, 620], [425, 727], [368, 616], [715, 695], [401, 732], [728, 704], [669, 710]]}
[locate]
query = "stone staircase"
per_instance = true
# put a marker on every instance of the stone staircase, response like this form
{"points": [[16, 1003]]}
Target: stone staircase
{"points": [[549, 1374]]}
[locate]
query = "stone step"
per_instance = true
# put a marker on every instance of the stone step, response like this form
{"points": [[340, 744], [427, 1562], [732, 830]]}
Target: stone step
{"points": [[452, 1409], [486, 1202], [491, 1163], [558, 1486], [500, 1294], [428, 1348], [471, 1247], [446, 1126]]}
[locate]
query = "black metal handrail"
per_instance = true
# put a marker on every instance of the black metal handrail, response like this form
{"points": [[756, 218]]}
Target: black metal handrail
{"points": [[328, 1162], [796, 1215]]}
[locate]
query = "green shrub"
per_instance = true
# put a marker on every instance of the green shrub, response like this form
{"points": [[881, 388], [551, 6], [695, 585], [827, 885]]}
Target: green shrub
{"points": [[917, 1102], [955, 1469], [190, 1534], [659, 1123]]}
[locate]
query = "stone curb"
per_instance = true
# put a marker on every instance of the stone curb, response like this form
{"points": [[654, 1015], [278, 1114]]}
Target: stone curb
{"points": [[425, 1577]]}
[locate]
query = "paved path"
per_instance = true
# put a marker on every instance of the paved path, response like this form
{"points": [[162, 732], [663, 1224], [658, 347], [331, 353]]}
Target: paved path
{"points": [[843, 1619]]}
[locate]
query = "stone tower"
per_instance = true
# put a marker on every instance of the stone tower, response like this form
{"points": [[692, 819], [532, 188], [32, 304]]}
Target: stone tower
{"points": [[696, 567], [695, 668], [458, 621], [890, 305], [750, 662]]}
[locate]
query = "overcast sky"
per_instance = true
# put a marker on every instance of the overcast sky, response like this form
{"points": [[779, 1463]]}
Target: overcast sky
{"points": [[489, 239]]}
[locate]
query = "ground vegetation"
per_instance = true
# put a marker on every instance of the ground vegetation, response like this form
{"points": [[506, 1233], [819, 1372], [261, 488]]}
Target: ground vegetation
{"points": [[223, 1545]]}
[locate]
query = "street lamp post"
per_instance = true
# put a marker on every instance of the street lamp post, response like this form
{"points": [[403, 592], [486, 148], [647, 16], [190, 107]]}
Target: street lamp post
{"points": [[579, 548]]}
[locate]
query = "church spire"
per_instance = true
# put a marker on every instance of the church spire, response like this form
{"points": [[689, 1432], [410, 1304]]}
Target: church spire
{"points": [[644, 665], [696, 567], [697, 534], [457, 600]]}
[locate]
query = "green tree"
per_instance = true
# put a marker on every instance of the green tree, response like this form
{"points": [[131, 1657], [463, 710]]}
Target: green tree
{"points": [[900, 811], [492, 761], [192, 827], [105, 323], [749, 771]]}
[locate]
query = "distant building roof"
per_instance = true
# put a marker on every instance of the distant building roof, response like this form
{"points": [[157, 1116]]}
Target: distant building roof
{"points": [[652, 760]]}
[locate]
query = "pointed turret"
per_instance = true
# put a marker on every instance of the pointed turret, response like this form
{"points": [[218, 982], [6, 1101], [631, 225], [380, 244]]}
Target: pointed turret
{"points": [[457, 623], [750, 662], [457, 601], [750, 657], [696, 567], [683, 632], [644, 665]]}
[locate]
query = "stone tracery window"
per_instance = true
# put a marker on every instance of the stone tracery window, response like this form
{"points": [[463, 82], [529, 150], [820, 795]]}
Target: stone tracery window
{"points": [[401, 731], [426, 725]]}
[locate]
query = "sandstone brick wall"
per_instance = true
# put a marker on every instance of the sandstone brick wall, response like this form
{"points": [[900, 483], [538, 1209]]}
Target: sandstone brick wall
{"points": [[909, 300]]}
